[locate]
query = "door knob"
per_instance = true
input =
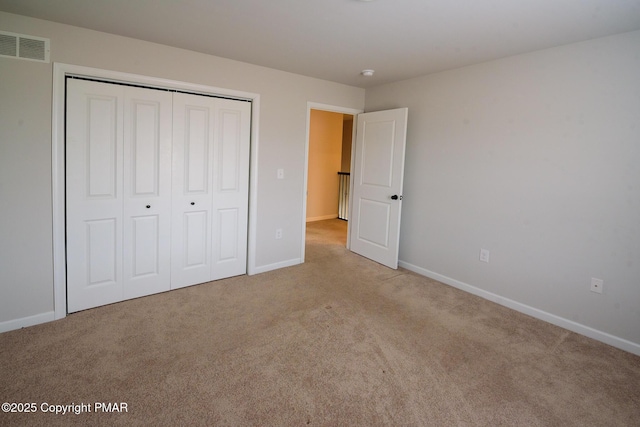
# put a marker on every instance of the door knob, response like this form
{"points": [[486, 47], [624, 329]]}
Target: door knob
{"points": [[396, 197], [148, 206], [193, 203]]}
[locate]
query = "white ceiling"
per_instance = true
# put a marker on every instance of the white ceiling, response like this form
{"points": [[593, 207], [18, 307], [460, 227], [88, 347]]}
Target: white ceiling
{"points": [[336, 39]]}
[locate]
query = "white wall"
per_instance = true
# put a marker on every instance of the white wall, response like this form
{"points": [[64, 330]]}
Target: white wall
{"points": [[536, 158], [26, 268]]}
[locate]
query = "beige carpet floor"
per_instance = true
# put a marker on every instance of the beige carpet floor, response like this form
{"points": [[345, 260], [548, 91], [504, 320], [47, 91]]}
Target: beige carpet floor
{"points": [[336, 341]]}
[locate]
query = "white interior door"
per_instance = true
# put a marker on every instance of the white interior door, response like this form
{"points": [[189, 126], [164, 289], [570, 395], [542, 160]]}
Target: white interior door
{"points": [[377, 185], [94, 196], [147, 191]]}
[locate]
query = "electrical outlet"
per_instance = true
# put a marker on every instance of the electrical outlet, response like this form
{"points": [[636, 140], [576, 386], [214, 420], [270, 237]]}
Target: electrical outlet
{"points": [[597, 285], [280, 173], [279, 233], [484, 255]]}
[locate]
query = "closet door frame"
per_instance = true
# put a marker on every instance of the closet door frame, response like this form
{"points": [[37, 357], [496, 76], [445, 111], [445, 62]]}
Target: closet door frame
{"points": [[60, 73]]}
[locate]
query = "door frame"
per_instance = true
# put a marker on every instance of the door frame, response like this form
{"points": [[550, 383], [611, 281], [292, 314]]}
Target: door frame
{"points": [[334, 109], [60, 72]]}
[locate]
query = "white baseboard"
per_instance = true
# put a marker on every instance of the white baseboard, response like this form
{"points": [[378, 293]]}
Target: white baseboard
{"points": [[275, 266], [322, 218], [587, 331], [24, 322]]}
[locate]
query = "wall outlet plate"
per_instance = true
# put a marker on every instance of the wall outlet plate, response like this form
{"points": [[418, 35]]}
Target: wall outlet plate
{"points": [[484, 255], [597, 285]]}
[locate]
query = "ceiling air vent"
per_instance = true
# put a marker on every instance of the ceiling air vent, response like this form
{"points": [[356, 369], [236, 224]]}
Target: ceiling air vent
{"points": [[24, 47]]}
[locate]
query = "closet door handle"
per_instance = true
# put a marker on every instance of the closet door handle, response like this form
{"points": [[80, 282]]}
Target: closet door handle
{"points": [[148, 206], [193, 203]]}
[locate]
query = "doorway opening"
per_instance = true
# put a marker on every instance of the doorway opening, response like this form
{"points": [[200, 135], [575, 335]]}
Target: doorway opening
{"points": [[329, 168], [330, 141], [377, 162], [330, 137]]}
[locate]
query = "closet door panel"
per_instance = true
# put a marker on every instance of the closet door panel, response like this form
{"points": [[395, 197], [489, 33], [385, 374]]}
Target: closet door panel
{"points": [[94, 194], [193, 133], [197, 145], [145, 248], [196, 231], [227, 244], [147, 196], [231, 185], [102, 251]]}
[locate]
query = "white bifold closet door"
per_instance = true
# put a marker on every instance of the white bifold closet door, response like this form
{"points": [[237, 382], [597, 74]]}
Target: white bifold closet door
{"points": [[156, 191], [118, 173], [211, 139]]}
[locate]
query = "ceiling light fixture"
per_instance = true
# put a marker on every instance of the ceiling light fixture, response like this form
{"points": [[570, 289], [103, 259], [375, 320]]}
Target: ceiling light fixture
{"points": [[367, 73]]}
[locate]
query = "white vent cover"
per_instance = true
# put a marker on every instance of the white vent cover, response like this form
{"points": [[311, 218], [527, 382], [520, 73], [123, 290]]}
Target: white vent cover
{"points": [[24, 47]]}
